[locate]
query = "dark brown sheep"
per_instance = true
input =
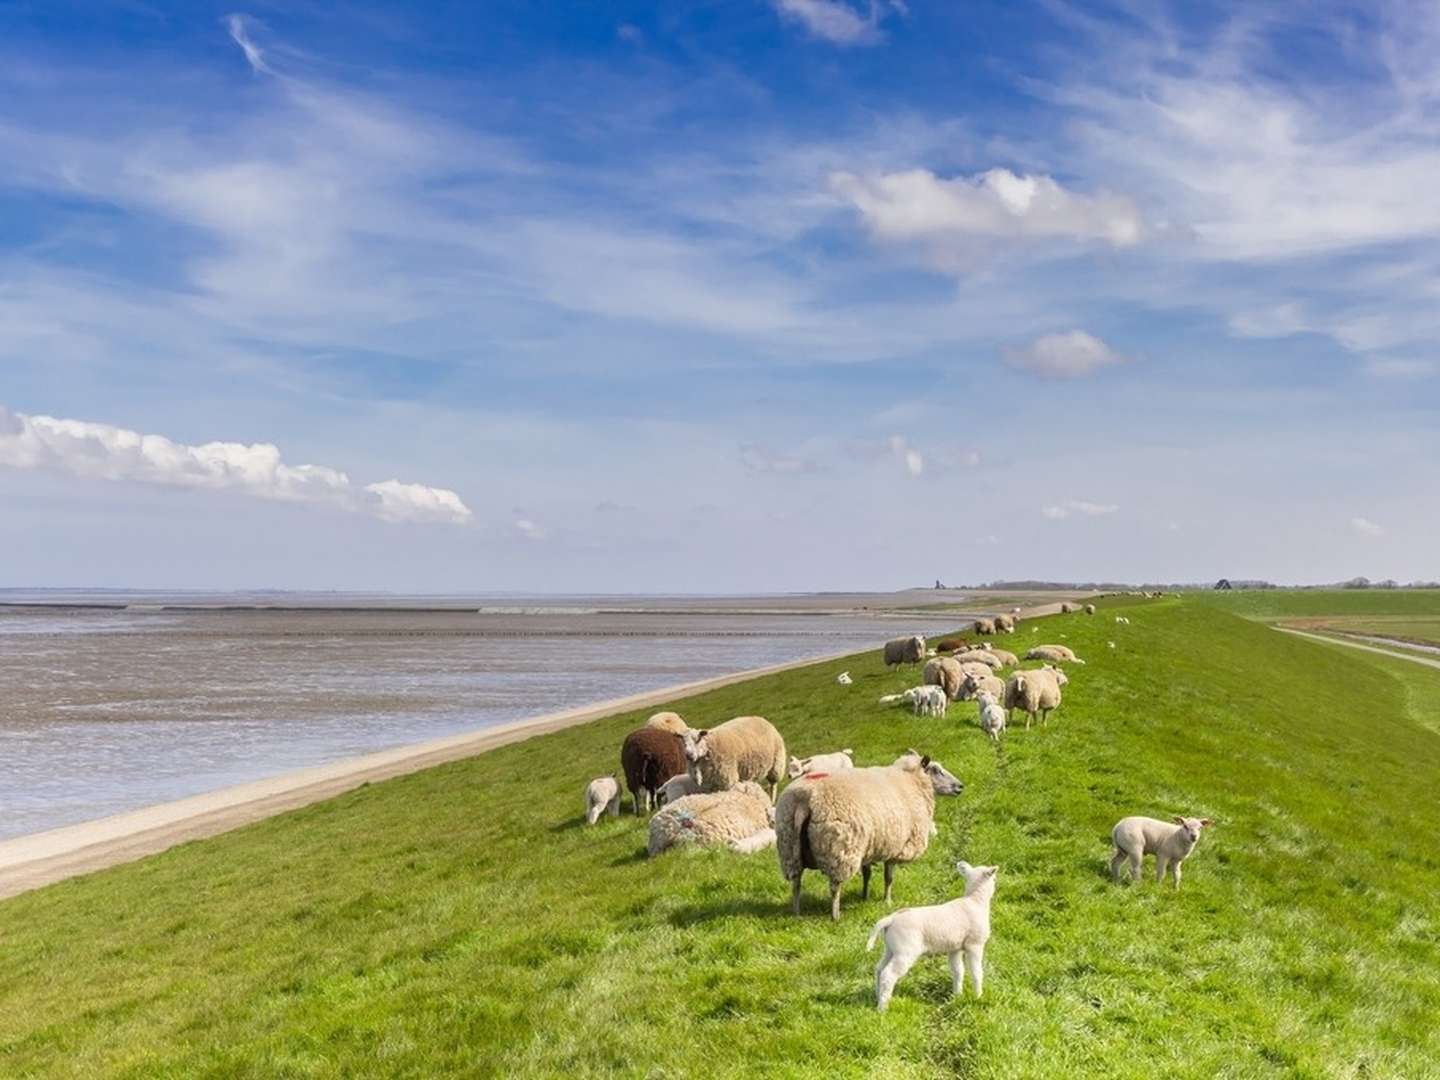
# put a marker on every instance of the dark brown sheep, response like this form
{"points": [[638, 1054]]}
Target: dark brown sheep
{"points": [[952, 644], [649, 757]]}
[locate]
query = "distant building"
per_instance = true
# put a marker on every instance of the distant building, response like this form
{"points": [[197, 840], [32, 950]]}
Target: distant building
{"points": [[1223, 583]]}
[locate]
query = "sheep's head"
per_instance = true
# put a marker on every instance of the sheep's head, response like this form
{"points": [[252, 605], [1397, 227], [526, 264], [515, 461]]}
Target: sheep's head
{"points": [[1061, 678], [795, 768], [696, 744], [1191, 828], [941, 779], [985, 698], [975, 876]]}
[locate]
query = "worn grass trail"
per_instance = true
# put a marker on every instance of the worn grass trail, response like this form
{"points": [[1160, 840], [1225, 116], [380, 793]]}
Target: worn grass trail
{"points": [[464, 921]]}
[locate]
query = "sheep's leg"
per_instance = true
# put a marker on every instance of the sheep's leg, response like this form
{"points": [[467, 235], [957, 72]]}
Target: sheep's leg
{"points": [[865, 882], [636, 796], [957, 973], [890, 973], [795, 892], [1176, 871], [1161, 865], [1137, 867], [975, 962], [615, 806], [1116, 861], [889, 880], [835, 900]]}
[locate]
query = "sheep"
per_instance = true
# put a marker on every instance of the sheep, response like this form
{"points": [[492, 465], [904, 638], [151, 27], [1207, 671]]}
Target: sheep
{"points": [[668, 721], [840, 759], [950, 645], [1061, 654], [602, 795], [945, 673], [1089, 609], [992, 715], [1005, 656], [844, 678], [649, 757], [745, 748], [731, 817], [1066, 608], [1136, 837], [918, 698], [985, 626], [843, 823], [959, 928], [1034, 692], [988, 657], [904, 650], [1005, 624], [677, 787], [975, 683], [930, 701]]}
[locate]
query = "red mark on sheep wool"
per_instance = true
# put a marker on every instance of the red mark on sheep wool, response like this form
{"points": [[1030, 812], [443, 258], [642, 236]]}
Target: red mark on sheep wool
{"points": [[816, 775]]}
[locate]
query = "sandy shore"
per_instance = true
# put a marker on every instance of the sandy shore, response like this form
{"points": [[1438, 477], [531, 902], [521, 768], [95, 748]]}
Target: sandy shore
{"points": [[28, 862]]}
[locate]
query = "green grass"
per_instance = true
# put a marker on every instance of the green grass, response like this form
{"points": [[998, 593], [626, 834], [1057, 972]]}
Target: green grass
{"points": [[1281, 603], [462, 921]]}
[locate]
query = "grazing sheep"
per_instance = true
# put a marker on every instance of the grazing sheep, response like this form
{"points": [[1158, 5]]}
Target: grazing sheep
{"points": [[1089, 609], [728, 817], [975, 683], [1060, 654], [989, 657], [959, 928], [649, 757], [677, 787], [602, 795], [1136, 837], [745, 748], [843, 823], [992, 715], [1066, 608], [945, 673], [840, 759], [1034, 693], [668, 721], [844, 678], [1005, 624], [984, 626], [904, 650]]}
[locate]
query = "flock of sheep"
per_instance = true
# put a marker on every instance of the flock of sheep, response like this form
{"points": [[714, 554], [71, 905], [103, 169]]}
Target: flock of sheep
{"points": [[718, 787]]}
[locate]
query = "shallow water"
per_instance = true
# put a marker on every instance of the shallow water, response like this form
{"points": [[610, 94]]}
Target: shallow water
{"points": [[103, 711]]}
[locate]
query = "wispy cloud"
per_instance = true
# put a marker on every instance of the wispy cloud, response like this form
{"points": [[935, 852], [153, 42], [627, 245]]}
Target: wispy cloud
{"points": [[1401, 368], [836, 21], [102, 451], [1365, 527], [757, 458], [530, 529], [1071, 507], [239, 27], [1068, 355]]}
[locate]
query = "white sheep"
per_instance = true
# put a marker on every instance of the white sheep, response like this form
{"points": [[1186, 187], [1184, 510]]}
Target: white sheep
{"points": [[677, 787], [602, 795], [960, 928], [1089, 609], [741, 815], [930, 701], [992, 715], [844, 678], [840, 759], [988, 657], [1171, 844], [905, 650], [745, 748], [977, 681], [1034, 692], [1060, 654], [668, 721]]}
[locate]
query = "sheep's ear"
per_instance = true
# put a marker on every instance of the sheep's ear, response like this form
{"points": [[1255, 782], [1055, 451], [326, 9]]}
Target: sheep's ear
{"points": [[925, 762], [1179, 820], [702, 733], [989, 871], [1206, 822]]}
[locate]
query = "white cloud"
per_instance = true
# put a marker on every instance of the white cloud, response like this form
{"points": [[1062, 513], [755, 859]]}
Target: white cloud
{"points": [[1401, 368], [1365, 527], [835, 21], [239, 27], [913, 460], [761, 459], [1063, 356], [1070, 507], [102, 451], [529, 529]]}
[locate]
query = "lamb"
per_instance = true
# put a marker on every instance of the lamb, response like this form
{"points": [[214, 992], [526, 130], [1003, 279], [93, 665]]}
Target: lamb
{"points": [[844, 678], [649, 757], [1171, 844], [843, 823], [923, 700], [737, 816], [1060, 654], [602, 795], [668, 721], [960, 927], [985, 626], [745, 748], [1034, 692], [992, 716], [1005, 624], [945, 673], [904, 650], [840, 759], [677, 787], [976, 683], [1089, 609]]}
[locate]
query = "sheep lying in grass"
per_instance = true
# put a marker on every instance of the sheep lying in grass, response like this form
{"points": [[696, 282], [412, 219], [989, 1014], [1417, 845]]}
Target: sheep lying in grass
{"points": [[740, 817], [649, 757], [1006, 658], [745, 748], [985, 626], [840, 759], [944, 672], [989, 657], [904, 650], [668, 721], [1171, 844], [959, 928], [844, 678], [976, 683], [843, 823], [1089, 609], [950, 645], [1059, 654], [677, 787], [992, 715], [602, 795], [923, 700], [1035, 693], [1005, 624]]}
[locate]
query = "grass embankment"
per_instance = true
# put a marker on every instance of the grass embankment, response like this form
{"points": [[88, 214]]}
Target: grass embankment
{"points": [[462, 921], [1408, 615]]}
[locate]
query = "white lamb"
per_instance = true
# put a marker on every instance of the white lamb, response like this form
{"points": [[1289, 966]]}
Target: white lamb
{"points": [[602, 795], [992, 715], [835, 762], [959, 928], [677, 787], [1171, 844], [844, 678], [923, 700]]}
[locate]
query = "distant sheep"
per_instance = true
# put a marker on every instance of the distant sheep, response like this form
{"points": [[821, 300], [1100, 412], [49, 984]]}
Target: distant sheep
{"points": [[667, 721], [835, 762], [649, 757], [950, 645], [602, 795], [843, 823], [732, 817], [844, 678], [976, 683], [992, 714], [1067, 608], [985, 626], [960, 928], [1005, 624], [945, 673], [677, 787], [745, 748], [904, 650], [1089, 609], [1171, 844], [1035, 693], [1058, 654]]}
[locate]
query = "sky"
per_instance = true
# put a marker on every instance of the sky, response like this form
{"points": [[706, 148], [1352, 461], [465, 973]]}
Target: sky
{"points": [[761, 295]]}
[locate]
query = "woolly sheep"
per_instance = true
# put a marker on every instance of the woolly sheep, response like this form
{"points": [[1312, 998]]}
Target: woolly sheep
{"points": [[989, 657], [984, 626], [1171, 844], [677, 787], [745, 748], [1005, 656], [1089, 609], [844, 678], [992, 715], [904, 650], [843, 823], [1066, 608], [1005, 624], [649, 757], [1034, 693], [930, 701], [1057, 653], [950, 645], [727, 817], [960, 928], [840, 759], [945, 673], [668, 721], [602, 795], [975, 683]]}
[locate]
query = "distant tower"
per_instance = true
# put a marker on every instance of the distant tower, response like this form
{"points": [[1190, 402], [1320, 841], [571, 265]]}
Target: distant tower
{"points": [[1223, 583]]}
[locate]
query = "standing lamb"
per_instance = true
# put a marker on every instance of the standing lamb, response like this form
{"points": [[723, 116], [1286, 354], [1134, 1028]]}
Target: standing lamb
{"points": [[960, 927], [1034, 692], [740, 817], [923, 700], [992, 715], [745, 748], [667, 721], [904, 650], [945, 673], [976, 682], [1060, 654], [1136, 837], [840, 759], [843, 823], [649, 757], [602, 795]]}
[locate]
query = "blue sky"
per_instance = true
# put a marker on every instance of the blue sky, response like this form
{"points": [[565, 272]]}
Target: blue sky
{"points": [[770, 295]]}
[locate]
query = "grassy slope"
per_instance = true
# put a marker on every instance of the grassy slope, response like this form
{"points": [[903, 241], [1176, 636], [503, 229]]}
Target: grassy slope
{"points": [[1279, 603], [460, 919]]}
